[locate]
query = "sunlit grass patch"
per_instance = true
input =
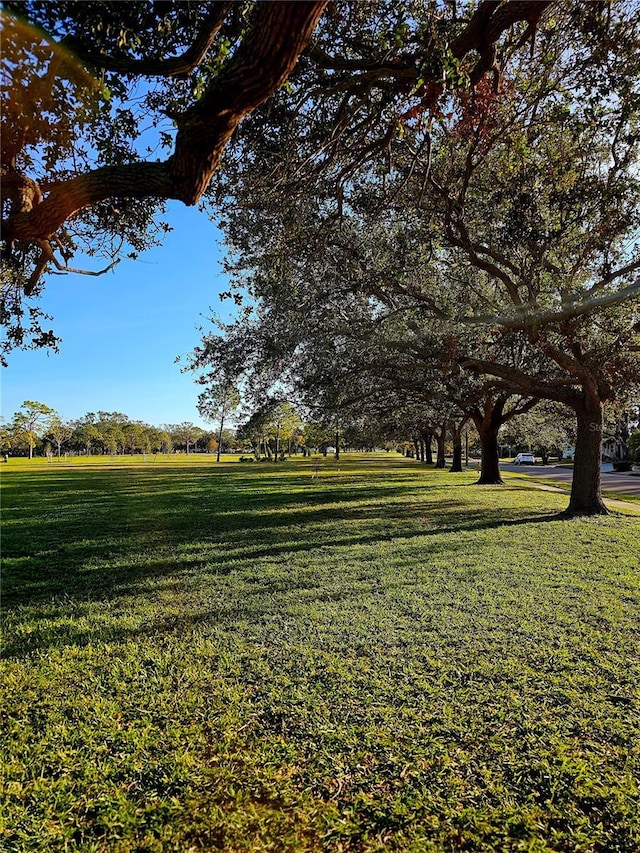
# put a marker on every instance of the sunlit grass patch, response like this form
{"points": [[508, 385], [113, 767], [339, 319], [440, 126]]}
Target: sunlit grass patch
{"points": [[375, 656]]}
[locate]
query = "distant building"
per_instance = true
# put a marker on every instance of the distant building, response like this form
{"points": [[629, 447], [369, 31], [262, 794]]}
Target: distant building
{"points": [[613, 447]]}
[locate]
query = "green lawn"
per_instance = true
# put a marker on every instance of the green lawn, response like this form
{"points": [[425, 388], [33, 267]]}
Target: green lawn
{"points": [[379, 657]]}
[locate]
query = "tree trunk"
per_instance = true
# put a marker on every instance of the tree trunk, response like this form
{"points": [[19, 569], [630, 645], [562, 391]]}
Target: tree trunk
{"points": [[490, 463], [441, 438], [456, 435], [428, 453], [220, 439], [586, 496], [488, 417]]}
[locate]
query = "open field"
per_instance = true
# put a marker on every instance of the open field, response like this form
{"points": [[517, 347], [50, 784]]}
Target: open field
{"points": [[250, 657]]}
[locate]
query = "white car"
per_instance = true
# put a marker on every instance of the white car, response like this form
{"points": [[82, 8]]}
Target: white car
{"points": [[524, 459]]}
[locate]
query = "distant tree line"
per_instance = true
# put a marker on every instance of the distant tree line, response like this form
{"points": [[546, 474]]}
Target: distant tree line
{"points": [[272, 432], [276, 429], [38, 429]]}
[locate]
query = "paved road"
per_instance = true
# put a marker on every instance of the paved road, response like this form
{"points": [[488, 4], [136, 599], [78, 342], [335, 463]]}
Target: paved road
{"points": [[612, 481]]}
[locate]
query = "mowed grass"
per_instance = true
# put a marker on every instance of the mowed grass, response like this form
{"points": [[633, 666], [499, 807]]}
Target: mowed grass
{"points": [[249, 657]]}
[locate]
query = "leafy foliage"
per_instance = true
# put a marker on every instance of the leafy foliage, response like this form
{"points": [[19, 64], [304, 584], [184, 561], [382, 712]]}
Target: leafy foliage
{"points": [[92, 92]]}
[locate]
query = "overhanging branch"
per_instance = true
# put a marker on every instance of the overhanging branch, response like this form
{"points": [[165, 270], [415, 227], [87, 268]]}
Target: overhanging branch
{"points": [[175, 66], [519, 382], [261, 63], [525, 318]]}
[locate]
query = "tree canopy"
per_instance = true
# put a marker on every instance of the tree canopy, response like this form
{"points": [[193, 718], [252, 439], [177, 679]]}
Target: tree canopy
{"points": [[83, 83], [111, 108], [505, 214]]}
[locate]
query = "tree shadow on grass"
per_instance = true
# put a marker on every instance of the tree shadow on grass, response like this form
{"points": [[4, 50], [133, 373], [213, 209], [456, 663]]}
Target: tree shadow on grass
{"points": [[264, 586], [101, 567], [103, 534], [259, 592]]}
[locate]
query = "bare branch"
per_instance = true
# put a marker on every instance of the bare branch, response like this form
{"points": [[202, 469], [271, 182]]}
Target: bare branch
{"points": [[63, 268], [612, 276], [47, 256]]}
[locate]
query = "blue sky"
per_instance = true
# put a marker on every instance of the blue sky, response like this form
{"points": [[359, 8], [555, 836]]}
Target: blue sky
{"points": [[122, 331]]}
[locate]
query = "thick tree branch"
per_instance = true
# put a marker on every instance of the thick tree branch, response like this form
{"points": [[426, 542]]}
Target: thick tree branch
{"points": [[262, 63], [372, 67], [131, 180], [522, 383], [526, 318], [491, 19], [614, 274], [175, 66], [481, 263], [519, 408]]}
